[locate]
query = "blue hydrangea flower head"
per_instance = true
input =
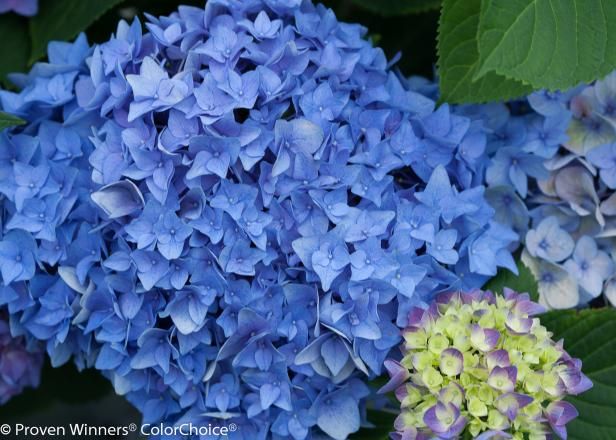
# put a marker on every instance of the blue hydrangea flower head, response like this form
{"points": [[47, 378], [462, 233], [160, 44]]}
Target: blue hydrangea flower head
{"points": [[231, 213]]}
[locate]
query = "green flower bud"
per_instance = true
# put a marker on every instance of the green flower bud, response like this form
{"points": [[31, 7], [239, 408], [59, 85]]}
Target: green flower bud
{"points": [[480, 363]]}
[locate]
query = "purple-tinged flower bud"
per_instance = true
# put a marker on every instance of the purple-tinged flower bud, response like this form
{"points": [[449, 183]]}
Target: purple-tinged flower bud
{"points": [[484, 339], [419, 317], [397, 373], [498, 358], [445, 420], [574, 380], [493, 435], [558, 415], [503, 378], [510, 403], [464, 359], [522, 303], [517, 324], [451, 362]]}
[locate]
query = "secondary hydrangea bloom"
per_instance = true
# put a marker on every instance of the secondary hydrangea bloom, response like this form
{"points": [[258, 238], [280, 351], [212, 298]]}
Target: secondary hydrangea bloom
{"points": [[548, 164], [28, 8], [483, 365], [19, 367], [231, 215], [573, 207]]}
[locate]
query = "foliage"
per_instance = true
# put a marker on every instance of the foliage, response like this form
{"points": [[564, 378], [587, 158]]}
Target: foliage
{"points": [[501, 49], [56, 20], [459, 58], [7, 120], [591, 336]]}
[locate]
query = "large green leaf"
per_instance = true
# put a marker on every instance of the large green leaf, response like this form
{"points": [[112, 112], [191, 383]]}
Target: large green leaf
{"points": [[459, 58], [551, 44], [8, 120], [14, 45], [63, 20], [398, 7], [525, 281], [591, 336]]}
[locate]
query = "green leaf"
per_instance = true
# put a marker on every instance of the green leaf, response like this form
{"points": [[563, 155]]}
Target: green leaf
{"points": [[525, 281], [14, 45], [550, 44], [591, 336], [398, 7], [8, 120], [459, 58], [63, 20], [383, 424]]}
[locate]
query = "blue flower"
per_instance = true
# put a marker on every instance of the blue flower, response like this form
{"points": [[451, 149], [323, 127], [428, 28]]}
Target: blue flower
{"points": [[212, 156], [171, 232], [151, 267], [240, 258], [488, 250], [604, 158], [53, 319], [189, 307], [233, 198], [329, 259], [155, 350], [337, 413], [557, 287], [590, 266], [16, 257], [297, 422], [509, 209], [29, 181], [28, 8], [512, 166], [262, 28], [370, 261], [549, 241], [154, 90], [548, 103], [442, 247], [224, 395]]}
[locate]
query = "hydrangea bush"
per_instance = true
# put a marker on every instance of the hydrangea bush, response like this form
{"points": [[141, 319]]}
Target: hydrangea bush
{"points": [[231, 215], [483, 365]]}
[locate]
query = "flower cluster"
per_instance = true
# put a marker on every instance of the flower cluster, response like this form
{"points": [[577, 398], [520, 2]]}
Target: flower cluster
{"points": [[20, 366], [571, 248], [231, 215], [482, 363], [28, 8], [548, 165]]}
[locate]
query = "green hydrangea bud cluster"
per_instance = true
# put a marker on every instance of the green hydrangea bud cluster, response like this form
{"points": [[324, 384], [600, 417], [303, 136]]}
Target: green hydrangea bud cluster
{"points": [[482, 365]]}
